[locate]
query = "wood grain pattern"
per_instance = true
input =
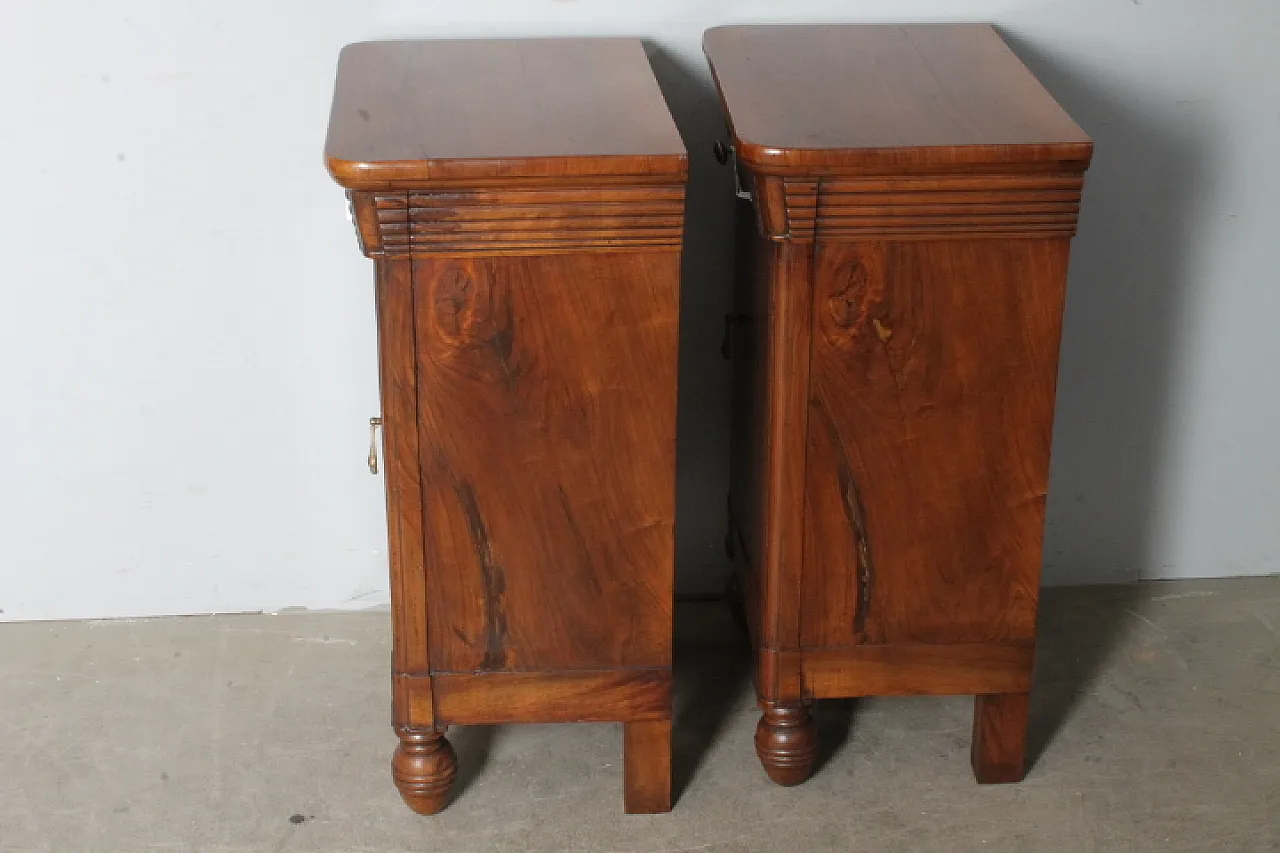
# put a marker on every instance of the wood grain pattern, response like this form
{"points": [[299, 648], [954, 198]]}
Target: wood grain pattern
{"points": [[949, 207], [646, 759], [579, 696], [786, 380], [845, 99], [546, 398], [786, 742], [778, 674], [417, 112], [423, 768], [1000, 737], [397, 362], [413, 700], [917, 670], [518, 219], [916, 190], [523, 201], [933, 379]]}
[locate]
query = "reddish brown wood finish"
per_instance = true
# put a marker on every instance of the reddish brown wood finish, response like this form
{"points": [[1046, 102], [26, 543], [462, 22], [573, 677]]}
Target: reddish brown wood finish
{"points": [[931, 404], [409, 112], [612, 695], [924, 669], [524, 203], [785, 741], [1000, 737], [424, 767], [901, 275], [547, 492], [815, 100], [646, 758]]}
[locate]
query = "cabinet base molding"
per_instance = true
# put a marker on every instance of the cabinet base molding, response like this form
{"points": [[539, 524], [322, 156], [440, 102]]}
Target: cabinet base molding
{"points": [[494, 698], [424, 764], [918, 670]]}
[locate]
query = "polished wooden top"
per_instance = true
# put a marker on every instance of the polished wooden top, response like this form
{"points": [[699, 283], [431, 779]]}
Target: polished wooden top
{"points": [[885, 98], [414, 112]]}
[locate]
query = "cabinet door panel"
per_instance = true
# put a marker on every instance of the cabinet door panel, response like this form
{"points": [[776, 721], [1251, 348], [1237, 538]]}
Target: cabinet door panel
{"points": [[546, 398], [933, 371]]}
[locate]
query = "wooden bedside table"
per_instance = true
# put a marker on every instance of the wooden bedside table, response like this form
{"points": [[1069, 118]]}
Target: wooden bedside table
{"points": [[523, 202], [903, 257]]}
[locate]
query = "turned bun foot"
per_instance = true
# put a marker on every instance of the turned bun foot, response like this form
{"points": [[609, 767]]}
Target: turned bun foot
{"points": [[785, 742], [423, 767]]}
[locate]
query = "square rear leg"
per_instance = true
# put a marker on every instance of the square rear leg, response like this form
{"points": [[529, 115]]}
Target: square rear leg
{"points": [[646, 762], [1000, 737]]}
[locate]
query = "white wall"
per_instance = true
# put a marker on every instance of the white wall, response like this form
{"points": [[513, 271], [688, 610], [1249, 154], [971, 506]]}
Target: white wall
{"points": [[187, 346]]}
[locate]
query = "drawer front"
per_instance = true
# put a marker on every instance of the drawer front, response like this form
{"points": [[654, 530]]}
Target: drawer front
{"points": [[933, 373], [546, 401]]}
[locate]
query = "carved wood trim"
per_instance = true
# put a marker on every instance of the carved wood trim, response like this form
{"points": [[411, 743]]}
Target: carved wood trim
{"points": [[520, 220], [930, 207]]}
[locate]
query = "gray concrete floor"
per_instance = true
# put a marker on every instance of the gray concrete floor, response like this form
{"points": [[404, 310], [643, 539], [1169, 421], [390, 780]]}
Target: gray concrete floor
{"points": [[1156, 727]]}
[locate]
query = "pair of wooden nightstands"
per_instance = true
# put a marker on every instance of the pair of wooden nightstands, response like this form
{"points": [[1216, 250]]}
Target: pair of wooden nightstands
{"points": [[911, 193]]}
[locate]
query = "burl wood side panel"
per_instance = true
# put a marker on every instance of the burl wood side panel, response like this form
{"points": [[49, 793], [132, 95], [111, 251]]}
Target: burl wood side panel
{"points": [[546, 402], [933, 375]]}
